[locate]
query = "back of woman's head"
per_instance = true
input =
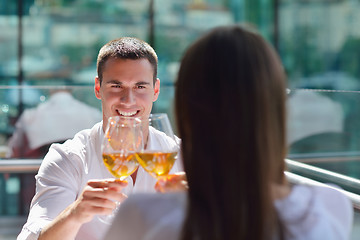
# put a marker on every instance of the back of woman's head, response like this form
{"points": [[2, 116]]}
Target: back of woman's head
{"points": [[230, 108]]}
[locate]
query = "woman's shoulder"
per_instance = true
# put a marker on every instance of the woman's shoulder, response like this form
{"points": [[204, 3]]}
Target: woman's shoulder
{"points": [[330, 193], [313, 211], [303, 196], [327, 194], [337, 204]]}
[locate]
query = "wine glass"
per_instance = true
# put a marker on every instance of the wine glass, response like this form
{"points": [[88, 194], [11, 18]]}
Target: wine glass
{"points": [[122, 139], [158, 159]]}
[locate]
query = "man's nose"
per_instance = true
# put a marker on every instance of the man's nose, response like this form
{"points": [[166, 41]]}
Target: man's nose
{"points": [[128, 97]]}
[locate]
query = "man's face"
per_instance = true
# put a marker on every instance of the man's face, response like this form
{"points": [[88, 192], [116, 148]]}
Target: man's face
{"points": [[127, 88]]}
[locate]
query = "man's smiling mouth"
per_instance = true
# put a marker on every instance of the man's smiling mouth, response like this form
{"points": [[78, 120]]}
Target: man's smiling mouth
{"points": [[127, 114]]}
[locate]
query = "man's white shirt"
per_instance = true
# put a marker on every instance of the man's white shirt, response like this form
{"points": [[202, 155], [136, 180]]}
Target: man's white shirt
{"points": [[64, 173]]}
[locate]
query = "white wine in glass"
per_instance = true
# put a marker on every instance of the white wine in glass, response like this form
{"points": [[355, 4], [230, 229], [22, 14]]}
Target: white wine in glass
{"points": [[159, 161], [122, 139]]}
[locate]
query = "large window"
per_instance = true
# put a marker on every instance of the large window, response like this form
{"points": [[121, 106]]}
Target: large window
{"points": [[56, 42], [49, 45], [319, 44], [52, 45]]}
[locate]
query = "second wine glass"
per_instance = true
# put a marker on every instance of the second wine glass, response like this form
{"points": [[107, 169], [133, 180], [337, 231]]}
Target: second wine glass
{"points": [[158, 159]]}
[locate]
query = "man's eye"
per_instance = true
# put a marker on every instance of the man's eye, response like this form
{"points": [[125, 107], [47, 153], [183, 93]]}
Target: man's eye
{"points": [[140, 87], [116, 86]]}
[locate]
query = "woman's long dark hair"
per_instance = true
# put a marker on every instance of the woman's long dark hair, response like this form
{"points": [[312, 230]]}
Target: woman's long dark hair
{"points": [[230, 112]]}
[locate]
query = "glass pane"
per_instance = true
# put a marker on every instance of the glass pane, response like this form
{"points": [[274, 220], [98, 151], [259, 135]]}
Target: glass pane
{"points": [[62, 38], [319, 43], [178, 23], [323, 126], [319, 46], [8, 41]]}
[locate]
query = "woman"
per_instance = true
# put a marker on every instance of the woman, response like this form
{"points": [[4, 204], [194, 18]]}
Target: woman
{"points": [[230, 110]]}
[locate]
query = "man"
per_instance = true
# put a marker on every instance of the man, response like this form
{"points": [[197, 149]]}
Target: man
{"points": [[68, 199]]}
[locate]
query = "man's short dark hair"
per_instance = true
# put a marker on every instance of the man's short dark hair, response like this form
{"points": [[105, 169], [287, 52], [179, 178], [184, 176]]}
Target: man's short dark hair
{"points": [[126, 48]]}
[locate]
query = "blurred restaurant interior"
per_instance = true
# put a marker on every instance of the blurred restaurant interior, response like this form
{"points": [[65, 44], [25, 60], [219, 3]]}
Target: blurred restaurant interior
{"points": [[51, 46]]}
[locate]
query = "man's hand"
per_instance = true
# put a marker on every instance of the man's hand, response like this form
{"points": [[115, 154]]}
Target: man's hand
{"points": [[97, 198], [172, 183]]}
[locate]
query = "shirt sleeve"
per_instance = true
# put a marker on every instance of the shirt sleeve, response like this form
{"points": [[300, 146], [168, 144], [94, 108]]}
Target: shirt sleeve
{"points": [[314, 212], [56, 188]]}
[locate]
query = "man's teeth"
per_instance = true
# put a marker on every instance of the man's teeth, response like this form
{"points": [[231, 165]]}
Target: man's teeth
{"points": [[127, 114]]}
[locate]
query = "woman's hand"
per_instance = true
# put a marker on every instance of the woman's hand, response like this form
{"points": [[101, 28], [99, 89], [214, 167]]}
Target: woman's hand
{"points": [[172, 183]]}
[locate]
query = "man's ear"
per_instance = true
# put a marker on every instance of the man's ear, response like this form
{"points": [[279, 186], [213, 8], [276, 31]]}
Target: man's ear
{"points": [[156, 90], [97, 88]]}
